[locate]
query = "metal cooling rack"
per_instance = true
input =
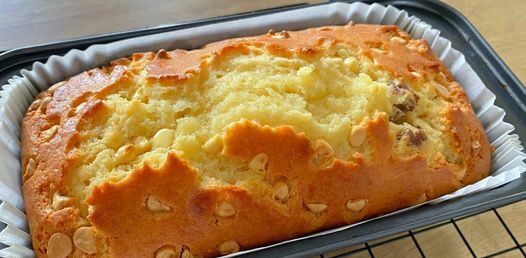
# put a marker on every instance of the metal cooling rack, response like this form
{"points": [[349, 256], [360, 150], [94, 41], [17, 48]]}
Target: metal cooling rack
{"points": [[513, 248]]}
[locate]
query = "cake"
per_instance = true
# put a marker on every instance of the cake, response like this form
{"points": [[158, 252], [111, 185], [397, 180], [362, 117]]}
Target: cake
{"points": [[244, 142]]}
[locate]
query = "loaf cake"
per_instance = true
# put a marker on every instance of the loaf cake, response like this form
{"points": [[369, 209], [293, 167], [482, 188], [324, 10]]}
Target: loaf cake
{"points": [[243, 143]]}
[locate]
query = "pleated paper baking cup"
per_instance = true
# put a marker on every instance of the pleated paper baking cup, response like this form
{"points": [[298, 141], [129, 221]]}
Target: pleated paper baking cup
{"points": [[17, 95]]}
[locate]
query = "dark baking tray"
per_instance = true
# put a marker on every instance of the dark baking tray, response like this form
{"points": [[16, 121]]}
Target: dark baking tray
{"points": [[511, 96]]}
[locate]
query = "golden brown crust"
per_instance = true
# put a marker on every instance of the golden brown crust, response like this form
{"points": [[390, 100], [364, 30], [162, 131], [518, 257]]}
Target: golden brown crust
{"points": [[50, 132]]}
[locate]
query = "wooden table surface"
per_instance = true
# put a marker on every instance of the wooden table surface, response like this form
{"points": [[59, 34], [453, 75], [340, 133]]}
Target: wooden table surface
{"points": [[495, 233]]}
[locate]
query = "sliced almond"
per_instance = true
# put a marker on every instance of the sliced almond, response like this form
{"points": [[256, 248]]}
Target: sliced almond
{"points": [[417, 75], [443, 76], [166, 252], [163, 138], [316, 207], [155, 205], [475, 147], [378, 51], [324, 29], [342, 52], [214, 145], [185, 252], [422, 198], [352, 63], [323, 154], [417, 46], [225, 209], [229, 247], [44, 104], [84, 240], [162, 54], [413, 45], [281, 192], [60, 202], [422, 48], [142, 143], [56, 86], [34, 105], [49, 133], [127, 153], [80, 107], [305, 71], [399, 40], [281, 35], [59, 246], [30, 168], [259, 162], [441, 90], [460, 174], [357, 136], [355, 205]]}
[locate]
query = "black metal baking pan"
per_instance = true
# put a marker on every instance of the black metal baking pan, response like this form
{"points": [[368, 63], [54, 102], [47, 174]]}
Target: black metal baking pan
{"points": [[511, 96]]}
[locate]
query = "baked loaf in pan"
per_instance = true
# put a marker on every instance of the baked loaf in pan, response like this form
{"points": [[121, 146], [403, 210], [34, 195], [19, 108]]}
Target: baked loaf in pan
{"points": [[244, 142]]}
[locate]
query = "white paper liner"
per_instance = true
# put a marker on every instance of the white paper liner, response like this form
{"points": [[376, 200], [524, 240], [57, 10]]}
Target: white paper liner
{"points": [[507, 161]]}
